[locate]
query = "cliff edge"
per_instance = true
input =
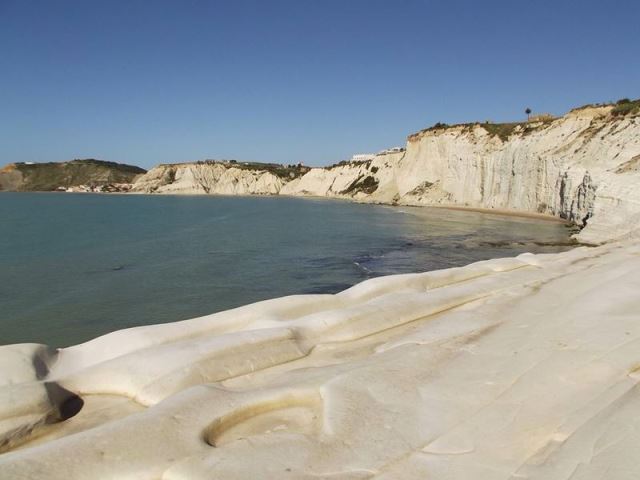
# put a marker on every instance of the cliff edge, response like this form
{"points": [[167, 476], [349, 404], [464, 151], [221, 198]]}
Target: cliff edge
{"points": [[581, 167]]}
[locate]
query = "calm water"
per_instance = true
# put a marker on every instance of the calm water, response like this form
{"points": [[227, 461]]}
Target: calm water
{"points": [[76, 266]]}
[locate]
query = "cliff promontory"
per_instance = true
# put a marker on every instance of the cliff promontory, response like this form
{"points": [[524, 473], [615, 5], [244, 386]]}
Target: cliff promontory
{"points": [[23, 177]]}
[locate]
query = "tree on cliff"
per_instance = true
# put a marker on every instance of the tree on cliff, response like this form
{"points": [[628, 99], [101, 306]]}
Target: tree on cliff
{"points": [[528, 112]]}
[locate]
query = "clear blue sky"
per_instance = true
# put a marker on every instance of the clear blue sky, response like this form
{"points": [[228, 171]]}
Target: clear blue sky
{"points": [[153, 81]]}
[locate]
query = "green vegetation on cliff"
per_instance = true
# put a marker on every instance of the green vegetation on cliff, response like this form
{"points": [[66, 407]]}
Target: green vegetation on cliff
{"points": [[622, 107], [50, 176], [501, 130], [287, 172], [365, 184], [626, 107]]}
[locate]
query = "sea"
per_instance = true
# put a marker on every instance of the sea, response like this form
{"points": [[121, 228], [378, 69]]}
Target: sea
{"points": [[76, 266]]}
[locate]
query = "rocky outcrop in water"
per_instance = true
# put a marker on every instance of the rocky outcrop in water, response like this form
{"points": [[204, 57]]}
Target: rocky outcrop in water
{"points": [[577, 204]]}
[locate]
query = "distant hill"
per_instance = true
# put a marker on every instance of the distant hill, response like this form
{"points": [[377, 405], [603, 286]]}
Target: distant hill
{"points": [[31, 177]]}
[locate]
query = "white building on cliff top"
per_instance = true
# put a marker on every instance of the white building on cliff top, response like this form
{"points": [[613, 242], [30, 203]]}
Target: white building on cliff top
{"points": [[362, 157]]}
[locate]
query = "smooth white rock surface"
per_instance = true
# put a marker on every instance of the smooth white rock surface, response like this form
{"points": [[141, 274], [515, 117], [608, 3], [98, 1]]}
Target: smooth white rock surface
{"points": [[511, 368]]}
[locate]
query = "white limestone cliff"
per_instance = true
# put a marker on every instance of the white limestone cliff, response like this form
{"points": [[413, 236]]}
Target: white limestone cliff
{"points": [[212, 178], [582, 167]]}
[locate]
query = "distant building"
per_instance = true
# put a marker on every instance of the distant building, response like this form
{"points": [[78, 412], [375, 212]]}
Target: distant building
{"points": [[391, 150], [362, 157]]}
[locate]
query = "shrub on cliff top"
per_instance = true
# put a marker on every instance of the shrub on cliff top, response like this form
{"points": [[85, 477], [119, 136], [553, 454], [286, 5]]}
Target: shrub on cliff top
{"points": [[502, 130], [626, 106]]}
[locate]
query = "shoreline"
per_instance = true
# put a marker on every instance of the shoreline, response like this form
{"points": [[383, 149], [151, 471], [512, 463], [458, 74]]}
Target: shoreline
{"points": [[490, 211], [508, 213], [297, 367], [402, 240], [316, 358]]}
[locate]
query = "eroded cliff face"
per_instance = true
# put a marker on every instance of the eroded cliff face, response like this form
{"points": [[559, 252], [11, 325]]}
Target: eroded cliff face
{"points": [[582, 167], [212, 178]]}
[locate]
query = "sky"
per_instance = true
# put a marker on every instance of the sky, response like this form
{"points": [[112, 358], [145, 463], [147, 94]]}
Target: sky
{"points": [[312, 81]]}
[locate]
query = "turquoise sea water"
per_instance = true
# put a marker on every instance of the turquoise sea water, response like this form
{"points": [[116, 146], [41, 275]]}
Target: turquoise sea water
{"points": [[74, 266]]}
